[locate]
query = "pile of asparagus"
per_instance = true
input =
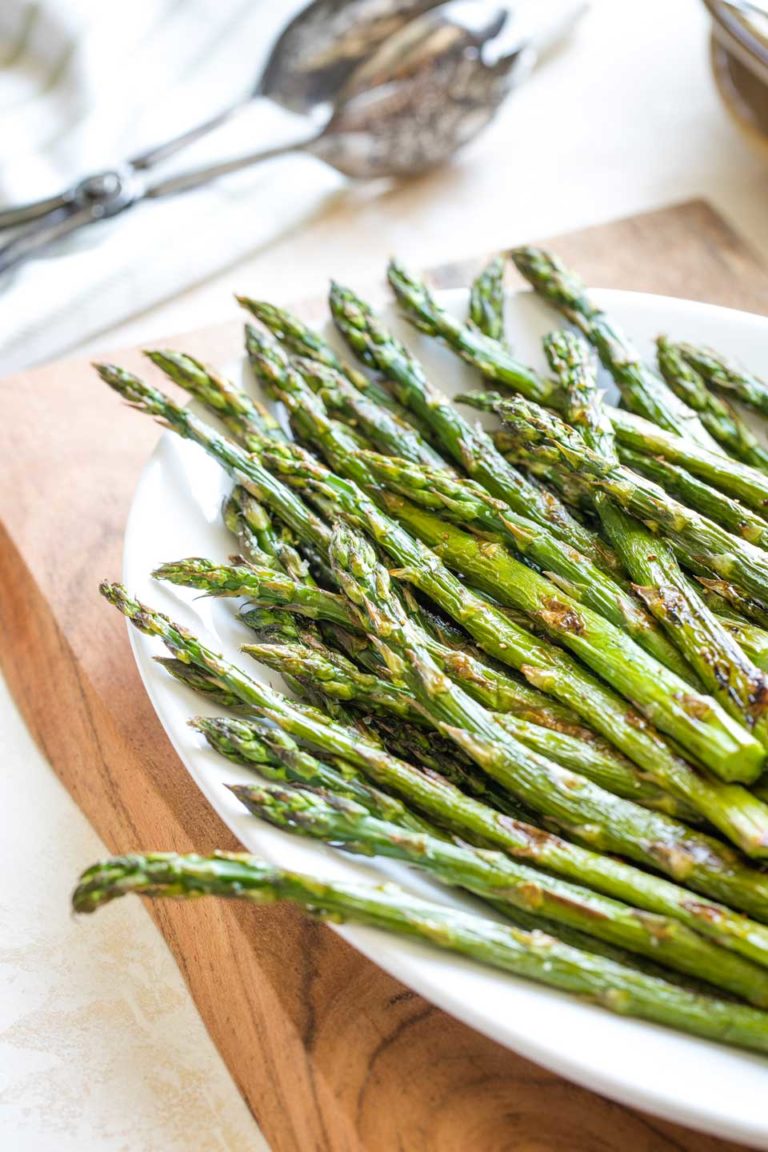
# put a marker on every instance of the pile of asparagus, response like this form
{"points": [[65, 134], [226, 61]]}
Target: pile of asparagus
{"points": [[531, 662]]}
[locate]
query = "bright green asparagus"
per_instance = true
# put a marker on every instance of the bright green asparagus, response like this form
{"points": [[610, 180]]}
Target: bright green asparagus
{"points": [[727, 377], [465, 502], [722, 667], [493, 876], [663, 697], [533, 955], [705, 863], [739, 561], [730, 514], [642, 390], [493, 686], [719, 417], [471, 448], [486, 300], [730, 808], [311, 663]]}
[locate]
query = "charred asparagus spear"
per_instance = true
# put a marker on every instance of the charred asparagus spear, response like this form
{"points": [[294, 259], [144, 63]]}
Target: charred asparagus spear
{"points": [[727, 807], [730, 514], [727, 377], [727, 558], [642, 390], [710, 649], [378, 424], [670, 702], [494, 877], [486, 300], [529, 954], [719, 417], [309, 662], [278, 757], [301, 340], [579, 574], [471, 448], [666, 845], [215, 390], [467, 503], [741, 482]]}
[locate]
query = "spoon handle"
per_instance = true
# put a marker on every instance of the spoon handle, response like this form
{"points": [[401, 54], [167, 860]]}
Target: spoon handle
{"points": [[159, 152], [52, 205], [197, 177], [67, 217]]}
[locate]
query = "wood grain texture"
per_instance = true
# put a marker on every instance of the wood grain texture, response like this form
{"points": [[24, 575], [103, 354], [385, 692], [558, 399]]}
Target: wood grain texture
{"points": [[331, 1053]]}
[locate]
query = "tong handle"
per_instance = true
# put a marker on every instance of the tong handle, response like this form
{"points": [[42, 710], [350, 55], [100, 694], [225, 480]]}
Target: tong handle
{"points": [[96, 198], [34, 209]]}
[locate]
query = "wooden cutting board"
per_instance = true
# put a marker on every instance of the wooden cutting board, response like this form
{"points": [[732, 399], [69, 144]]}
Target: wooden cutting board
{"points": [[331, 1053]]}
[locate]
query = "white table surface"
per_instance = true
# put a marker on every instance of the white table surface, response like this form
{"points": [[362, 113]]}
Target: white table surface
{"points": [[101, 1049]]}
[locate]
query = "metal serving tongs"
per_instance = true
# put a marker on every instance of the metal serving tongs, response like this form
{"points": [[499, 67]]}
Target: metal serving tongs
{"points": [[403, 97], [307, 66]]}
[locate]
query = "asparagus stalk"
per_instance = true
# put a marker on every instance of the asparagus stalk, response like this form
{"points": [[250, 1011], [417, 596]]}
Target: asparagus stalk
{"points": [[425, 749], [566, 740], [642, 390], [698, 722], [301, 340], [722, 667], [465, 502], [486, 300], [532, 955], [489, 355], [727, 807], [719, 417], [335, 676], [261, 544], [312, 664], [199, 681], [747, 607], [579, 573], [742, 483], [471, 448], [493, 876], [707, 864], [730, 514], [750, 638], [253, 531], [741, 562], [271, 589], [289, 507], [492, 686], [726, 377], [215, 391], [280, 758], [739, 481], [474, 729], [378, 425], [715, 590]]}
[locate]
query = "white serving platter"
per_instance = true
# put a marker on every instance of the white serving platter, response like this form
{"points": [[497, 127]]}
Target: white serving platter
{"points": [[176, 513]]}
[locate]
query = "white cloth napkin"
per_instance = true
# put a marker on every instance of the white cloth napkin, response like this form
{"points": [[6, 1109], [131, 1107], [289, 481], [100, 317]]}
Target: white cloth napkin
{"points": [[83, 84]]}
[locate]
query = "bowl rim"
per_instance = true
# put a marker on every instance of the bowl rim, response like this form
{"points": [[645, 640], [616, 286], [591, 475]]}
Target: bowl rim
{"points": [[738, 36]]}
